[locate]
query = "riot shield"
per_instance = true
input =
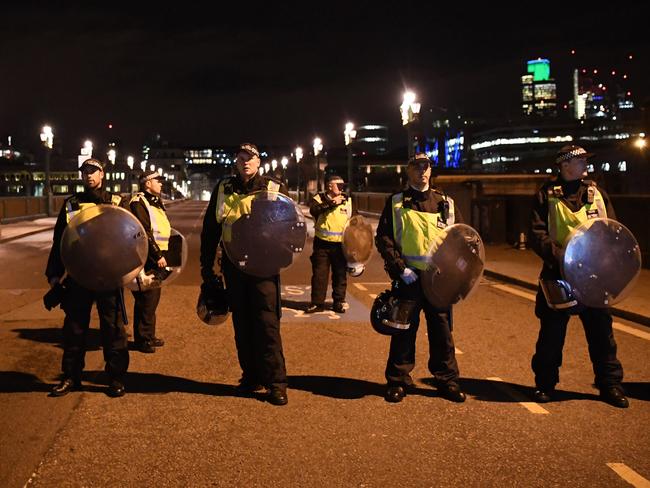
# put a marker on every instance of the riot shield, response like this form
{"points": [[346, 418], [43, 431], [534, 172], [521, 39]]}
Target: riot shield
{"points": [[176, 258], [601, 262], [263, 232], [104, 247], [357, 244], [455, 266]]}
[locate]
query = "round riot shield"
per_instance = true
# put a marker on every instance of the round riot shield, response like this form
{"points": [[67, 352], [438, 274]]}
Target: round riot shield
{"points": [[263, 232], [601, 262], [455, 266], [357, 244], [104, 247], [176, 257]]}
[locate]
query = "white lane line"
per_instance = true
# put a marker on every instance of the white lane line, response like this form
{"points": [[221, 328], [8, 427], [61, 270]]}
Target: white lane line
{"points": [[629, 475], [631, 330], [515, 291], [616, 325], [359, 286], [532, 407], [372, 295]]}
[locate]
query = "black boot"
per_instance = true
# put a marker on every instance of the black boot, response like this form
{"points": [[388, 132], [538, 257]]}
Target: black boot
{"points": [[116, 389], [451, 391], [66, 386], [278, 396], [395, 393], [615, 396]]}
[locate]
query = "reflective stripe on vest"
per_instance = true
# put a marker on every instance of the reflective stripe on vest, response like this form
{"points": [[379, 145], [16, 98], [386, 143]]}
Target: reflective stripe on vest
{"points": [[418, 233], [231, 207], [160, 226], [331, 223], [71, 210], [562, 220]]}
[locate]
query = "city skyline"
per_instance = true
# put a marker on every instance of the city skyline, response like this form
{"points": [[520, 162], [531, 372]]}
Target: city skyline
{"points": [[285, 74]]}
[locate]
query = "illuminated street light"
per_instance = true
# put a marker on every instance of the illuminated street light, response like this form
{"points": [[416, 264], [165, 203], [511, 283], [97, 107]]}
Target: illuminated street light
{"points": [[266, 167], [350, 134], [143, 165], [112, 155], [318, 147], [87, 149], [274, 164], [284, 162], [409, 111], [47, 138], [641, 143], [160, 171], [152, 167], [298, 154], [130, 161]]}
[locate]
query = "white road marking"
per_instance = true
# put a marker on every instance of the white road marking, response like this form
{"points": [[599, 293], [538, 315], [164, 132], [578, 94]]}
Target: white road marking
{"points": [[629, 475], [372, 295], [631, 330], [616, 325], [532, 407], [515, 291], [359, 286]]}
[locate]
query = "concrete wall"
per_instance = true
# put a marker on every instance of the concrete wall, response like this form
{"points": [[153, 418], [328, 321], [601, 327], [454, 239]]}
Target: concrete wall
{"points": [[17, 208], [501, 211]]}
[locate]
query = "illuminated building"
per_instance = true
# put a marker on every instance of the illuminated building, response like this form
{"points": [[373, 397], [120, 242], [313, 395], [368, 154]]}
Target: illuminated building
{"points": [[600, 95], [371, 139], [538, 90]]}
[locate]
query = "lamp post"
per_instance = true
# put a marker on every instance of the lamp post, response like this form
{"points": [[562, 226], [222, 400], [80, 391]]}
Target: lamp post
{"points": [[298, 154], [350, 133], [47, 138], [318, 147], [112, 155], [409, 111]]}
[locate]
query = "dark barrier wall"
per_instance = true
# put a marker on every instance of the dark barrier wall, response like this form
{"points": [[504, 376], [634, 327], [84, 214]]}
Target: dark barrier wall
{"points": [[14, 208], [502, 218]]}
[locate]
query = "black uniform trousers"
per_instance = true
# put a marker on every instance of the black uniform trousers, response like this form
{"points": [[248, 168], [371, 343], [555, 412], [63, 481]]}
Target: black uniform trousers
{"points": [[77, 305], [597, 324], [442, 353], [256, 310], [144, 314], [325, 255]]}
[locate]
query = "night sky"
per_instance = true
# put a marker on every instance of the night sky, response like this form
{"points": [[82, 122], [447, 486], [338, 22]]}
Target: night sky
{"points": [[282, 73]]}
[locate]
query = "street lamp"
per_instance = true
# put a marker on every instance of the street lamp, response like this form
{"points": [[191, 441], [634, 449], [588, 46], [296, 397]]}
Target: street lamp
{"points": [[350, 133], [47, 138], [298, 153], [130, 161], [318, 147], [112, 155], [409, 111]]}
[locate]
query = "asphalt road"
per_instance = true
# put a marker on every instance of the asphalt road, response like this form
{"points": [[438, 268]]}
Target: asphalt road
{"points": [[182, 423]]}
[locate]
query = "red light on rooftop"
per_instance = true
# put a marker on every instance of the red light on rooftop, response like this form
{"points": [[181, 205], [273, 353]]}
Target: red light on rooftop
{"points": [[629, 94], [625, 77], [629, 57], [613, 73], [595, 71], [110, 126], [573, 51]]}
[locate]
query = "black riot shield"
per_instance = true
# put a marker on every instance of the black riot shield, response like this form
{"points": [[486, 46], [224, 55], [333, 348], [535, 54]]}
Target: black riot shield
{"points": [[455, 266], [357, 244], [601, 262], [264, 234], [104, 247], [176, 258]]}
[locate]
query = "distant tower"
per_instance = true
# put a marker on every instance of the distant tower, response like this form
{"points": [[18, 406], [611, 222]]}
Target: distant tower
{"points": [[538, 90]]}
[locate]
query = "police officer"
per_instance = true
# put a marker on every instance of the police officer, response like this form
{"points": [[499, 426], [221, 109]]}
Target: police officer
{"points": [[254, 301], [148, 207], [403, 244], [331, 211], [78, 300], [560, 205]]}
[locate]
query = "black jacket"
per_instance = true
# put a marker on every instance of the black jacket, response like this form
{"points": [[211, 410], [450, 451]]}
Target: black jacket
{"points": [[55, 267], [575, 196], [142, 214], [211, 232], [431, 201]]}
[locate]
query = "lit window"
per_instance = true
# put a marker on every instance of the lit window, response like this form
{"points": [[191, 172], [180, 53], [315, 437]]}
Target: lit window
{"points": [[605, 166], [622, 166], [549, 170]]}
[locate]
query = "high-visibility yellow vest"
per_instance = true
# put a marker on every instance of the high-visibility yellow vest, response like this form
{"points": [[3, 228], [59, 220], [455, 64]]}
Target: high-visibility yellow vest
{"points": [[231, 206], [73, 206], [160, 226], [562, 220], [331, 223], [418, 233]]}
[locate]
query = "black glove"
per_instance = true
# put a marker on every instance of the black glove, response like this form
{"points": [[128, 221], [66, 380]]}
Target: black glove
{"points": [[54, 297]]}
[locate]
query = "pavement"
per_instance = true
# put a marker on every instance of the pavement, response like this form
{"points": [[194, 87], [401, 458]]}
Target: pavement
{"points": [[503, 262]]}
